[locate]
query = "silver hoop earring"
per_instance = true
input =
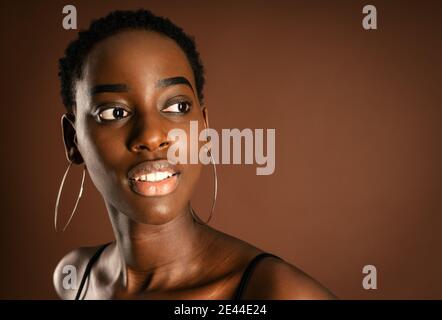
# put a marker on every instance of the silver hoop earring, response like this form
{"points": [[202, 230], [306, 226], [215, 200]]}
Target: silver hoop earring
{"points": [[59, 194], [215, 193]]}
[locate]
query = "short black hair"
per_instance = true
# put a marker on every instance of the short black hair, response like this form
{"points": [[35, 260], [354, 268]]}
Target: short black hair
{"points": [[71, 65]]}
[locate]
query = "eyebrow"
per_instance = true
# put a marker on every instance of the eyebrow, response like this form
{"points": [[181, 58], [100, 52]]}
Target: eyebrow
{"points": [[121, 87], [109, 88], [173, 81]]}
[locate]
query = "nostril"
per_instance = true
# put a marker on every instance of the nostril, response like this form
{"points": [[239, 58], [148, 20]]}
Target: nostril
{"points": [[141, 147], [152, 147], [164, 144]]}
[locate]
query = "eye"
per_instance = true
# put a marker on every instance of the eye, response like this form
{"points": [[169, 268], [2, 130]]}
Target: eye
{"points": [[179, 107], [114, 113]]}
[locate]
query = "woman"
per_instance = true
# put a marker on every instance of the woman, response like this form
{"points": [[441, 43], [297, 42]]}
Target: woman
{"points": [[126, 82]]}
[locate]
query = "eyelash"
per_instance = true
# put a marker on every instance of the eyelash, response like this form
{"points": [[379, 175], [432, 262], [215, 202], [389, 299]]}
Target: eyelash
{"points": [[185, 102], [113, 108], [127, 113]]}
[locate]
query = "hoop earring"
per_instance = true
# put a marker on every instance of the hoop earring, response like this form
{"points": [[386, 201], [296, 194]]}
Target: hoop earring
{"points": [[215, 193], [59, 194]]}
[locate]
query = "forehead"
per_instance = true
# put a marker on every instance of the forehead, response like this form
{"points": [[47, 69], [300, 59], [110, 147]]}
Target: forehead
{"points": [[136, 57]]}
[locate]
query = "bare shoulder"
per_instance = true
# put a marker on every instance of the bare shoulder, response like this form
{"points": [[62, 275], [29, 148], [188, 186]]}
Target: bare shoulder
{"points": [[272, 278], [275, 279], [69, 270]]}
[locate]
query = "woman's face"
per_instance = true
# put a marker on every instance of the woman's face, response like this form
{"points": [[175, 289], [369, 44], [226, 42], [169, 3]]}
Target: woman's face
{"points": [[136, 87]]}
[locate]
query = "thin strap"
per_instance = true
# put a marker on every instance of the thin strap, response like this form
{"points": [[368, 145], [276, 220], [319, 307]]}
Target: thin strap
{"points": [[248, 271], [88, 269]]}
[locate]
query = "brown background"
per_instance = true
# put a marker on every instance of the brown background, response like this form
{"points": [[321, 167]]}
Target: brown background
{"points": [[357, 116]]}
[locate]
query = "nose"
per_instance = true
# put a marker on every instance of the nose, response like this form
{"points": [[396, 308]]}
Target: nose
{"points": [[149, 134]]}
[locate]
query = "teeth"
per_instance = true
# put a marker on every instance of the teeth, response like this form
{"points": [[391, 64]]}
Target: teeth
{"points": [[160, 175], [154, 177]]}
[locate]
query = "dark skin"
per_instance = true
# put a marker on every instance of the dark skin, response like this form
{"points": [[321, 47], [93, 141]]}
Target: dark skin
{"points": [[160, 252]]}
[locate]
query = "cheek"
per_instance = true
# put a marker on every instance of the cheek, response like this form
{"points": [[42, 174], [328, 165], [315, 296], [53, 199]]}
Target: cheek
{"points": [[192, 171], [191, 176], [103, 158]]}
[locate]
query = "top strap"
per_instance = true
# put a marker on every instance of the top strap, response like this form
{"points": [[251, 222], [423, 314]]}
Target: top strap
{"points": [[248, 271], [88, 269]]}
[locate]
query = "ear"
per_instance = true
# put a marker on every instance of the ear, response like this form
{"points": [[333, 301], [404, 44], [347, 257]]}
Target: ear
{"points": [[206, 116], [206, 123], [70, 139]]}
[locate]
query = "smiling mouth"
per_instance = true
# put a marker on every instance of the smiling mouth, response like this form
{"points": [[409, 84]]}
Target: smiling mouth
{"points": [[153, 178]]}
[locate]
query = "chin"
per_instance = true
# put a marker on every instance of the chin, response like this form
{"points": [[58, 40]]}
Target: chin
{"points": [[149, 210], [156, 214]]}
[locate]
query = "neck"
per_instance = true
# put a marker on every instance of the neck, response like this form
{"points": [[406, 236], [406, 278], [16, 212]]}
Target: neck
{"points": [[157, 256]]}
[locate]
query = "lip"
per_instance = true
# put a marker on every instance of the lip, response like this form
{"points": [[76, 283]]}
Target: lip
{"points": [[153, 188]]}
